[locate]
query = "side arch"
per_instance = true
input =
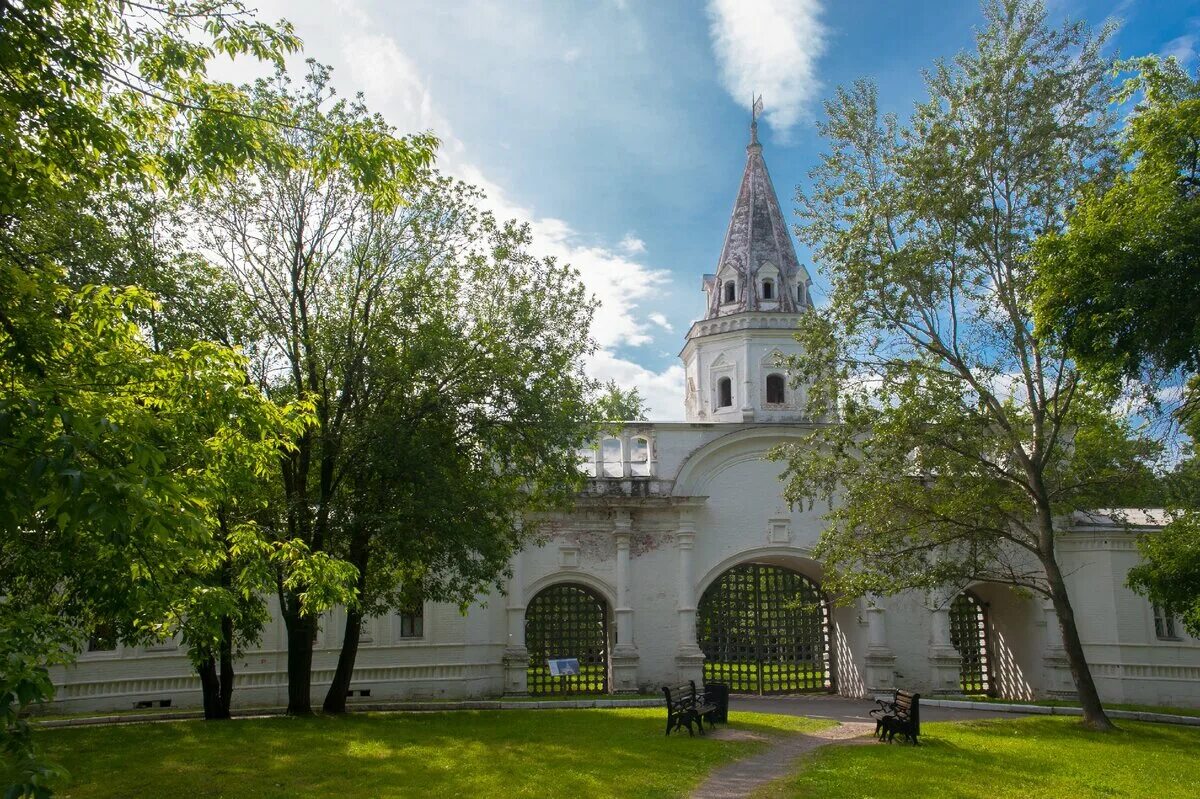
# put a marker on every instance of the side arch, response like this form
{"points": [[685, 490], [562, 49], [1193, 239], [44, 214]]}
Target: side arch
{"points": [[567, 620]]}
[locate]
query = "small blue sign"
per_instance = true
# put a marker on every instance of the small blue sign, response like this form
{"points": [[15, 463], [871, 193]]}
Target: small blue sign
{"points": [[564, 667]]}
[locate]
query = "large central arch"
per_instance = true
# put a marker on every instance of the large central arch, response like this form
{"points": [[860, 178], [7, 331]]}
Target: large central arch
{"points": [[765, 629]]}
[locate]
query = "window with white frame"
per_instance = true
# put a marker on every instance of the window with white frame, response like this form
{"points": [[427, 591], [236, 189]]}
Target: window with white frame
{"points": [[768, 289], [1164, 625], [730, 291]]}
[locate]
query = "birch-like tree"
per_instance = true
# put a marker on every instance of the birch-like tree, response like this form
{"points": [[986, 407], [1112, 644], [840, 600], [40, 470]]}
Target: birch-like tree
{"points": [[959, 440]]}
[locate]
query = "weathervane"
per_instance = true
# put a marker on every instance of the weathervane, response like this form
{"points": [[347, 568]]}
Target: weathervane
{"points": [[756, 107]]}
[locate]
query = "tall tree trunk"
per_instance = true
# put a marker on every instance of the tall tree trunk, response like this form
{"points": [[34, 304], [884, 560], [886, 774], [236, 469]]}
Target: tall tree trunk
{"points": [[301, 633], [1094, 716], [335, 698], [210, 688], [226, 695]]}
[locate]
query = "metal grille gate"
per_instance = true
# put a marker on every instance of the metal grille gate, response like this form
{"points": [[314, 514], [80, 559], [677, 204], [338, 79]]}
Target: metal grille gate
{"points": [[567, 621], [968, 633], [765, 630]]}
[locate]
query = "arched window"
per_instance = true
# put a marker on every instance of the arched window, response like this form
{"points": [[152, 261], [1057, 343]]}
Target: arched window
{"points": [[768, 290], [800, 294], [639, 457], [775, 390], [730, 291], [610, 458], [724, 392]]}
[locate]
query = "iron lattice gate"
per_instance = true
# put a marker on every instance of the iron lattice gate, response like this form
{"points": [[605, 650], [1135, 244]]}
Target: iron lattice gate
{"points": [[765, 630], [567, 621], [968, 633]]}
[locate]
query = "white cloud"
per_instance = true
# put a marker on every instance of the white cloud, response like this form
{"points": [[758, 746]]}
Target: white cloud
{"points": [[1183, 48], [632, 245], [663, 391], [367, 59], [571, 55], [769, 47]]}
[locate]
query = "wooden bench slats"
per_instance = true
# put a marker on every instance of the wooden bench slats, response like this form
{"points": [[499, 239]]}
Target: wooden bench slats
{"points": [[686, 705]]}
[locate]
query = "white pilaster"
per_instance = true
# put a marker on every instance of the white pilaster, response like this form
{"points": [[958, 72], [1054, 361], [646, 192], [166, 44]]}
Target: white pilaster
{"points": [[945, 663], [1056, 669], [880, 659], [689, 659], [516, 656], [625, 655]]}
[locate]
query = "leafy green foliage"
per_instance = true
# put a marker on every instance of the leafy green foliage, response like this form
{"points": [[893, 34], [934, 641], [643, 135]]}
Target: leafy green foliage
{"points": [[1118, 285], [616, 404], [116, 451]]}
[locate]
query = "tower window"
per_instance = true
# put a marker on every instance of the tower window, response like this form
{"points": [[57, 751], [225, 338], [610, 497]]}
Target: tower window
{"points": [[800, 294], [724, 392], [768, 290], [730, 291], [775, 390]]}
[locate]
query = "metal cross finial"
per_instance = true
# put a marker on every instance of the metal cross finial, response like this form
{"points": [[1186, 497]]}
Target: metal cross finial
{"points": [[756, 107]]}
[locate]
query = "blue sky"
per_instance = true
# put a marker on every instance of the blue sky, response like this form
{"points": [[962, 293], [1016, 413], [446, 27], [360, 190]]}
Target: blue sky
{"points": [[617, 128]]}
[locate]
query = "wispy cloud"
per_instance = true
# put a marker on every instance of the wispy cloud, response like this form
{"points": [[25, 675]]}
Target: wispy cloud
{"points": [[769, 47], [632, 245], [1183, 48], [368, 59]]}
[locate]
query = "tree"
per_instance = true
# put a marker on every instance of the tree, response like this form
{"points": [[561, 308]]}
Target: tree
{"points": [[473, 407], [1169, 574], [99, 462], [616, 404], [1117, 286], [960, 435], [301, 240]]}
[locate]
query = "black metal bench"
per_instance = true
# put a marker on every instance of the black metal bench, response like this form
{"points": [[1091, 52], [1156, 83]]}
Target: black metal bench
{"points": [[901, 716], [685, 705]]}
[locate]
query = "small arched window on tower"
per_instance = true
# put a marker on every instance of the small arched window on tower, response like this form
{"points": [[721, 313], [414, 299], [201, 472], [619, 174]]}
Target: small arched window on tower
{"points": [[775, 390], [724, 393], [730, 291], [800, 294], [768, 289]]}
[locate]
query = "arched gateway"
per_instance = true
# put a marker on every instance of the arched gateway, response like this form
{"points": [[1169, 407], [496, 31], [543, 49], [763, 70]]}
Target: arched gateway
{"points": [[567, 620], [969, 634], [764, 629]]}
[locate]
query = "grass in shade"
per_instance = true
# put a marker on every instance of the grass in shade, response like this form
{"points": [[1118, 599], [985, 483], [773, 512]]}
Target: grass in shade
{"points": [[576, 753], [996, 759]]}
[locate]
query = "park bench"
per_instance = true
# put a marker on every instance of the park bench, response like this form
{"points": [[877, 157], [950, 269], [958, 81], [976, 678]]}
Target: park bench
{"points": [[685, 705], [901, 716]]}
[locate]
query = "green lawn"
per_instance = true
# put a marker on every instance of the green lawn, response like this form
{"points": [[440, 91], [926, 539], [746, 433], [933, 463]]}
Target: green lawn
{"points": [[993, 759], [577, 753]]}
